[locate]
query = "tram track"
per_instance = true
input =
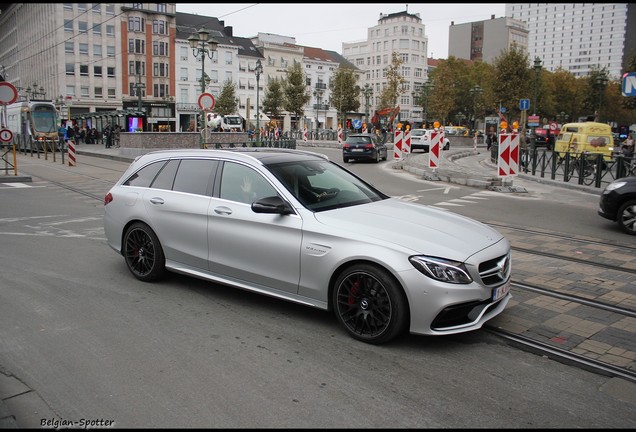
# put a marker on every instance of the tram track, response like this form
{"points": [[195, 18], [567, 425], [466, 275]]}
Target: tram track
{"points": [[537, 255]]}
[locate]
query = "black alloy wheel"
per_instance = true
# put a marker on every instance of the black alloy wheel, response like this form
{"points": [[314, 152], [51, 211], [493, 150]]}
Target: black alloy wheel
{"points": [[370, 304], [143, 253], [626, 217]]}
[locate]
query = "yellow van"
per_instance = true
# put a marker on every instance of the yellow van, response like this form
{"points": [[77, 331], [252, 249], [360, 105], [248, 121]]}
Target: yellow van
{"points": [[588, 137]]}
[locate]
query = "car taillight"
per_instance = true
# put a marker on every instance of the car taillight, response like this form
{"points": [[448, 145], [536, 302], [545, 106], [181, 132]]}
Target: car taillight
{"points": [[345, 146], [369, 147], [108, 198]]}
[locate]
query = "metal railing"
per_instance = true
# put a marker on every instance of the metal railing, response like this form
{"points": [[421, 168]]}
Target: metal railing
{"points": [[590, 169]]}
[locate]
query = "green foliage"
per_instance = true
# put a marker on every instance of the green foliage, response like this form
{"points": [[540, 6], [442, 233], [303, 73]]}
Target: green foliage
{"points": [[396, 83], [274, 98], [226, 103], [295, 91], [345, 93]]}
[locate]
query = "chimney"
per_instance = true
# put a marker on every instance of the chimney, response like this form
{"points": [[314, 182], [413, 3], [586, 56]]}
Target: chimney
{"points": [[228, 31], [492, 17]]}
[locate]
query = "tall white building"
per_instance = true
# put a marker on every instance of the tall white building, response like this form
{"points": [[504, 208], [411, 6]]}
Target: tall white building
{"points": [[403, 32], [577, 37]]}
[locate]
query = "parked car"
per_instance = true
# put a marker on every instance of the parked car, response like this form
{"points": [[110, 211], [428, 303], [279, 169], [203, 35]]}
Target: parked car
{"points": [[296, 226], [618, 203], [420, 140], [363, 146]]}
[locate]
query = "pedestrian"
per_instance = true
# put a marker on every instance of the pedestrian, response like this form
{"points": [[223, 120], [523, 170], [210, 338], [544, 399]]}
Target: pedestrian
{"points": [[628, 146], [61, 131], [108, 135], [116, 135]]}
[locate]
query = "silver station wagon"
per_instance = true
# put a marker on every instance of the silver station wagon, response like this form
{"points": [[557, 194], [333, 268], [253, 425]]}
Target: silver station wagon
{"points": [[294, 225]]}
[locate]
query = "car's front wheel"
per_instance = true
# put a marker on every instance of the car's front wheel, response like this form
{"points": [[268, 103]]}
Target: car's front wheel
{"points": [[370, 304], [626, 217], [143, 253]]}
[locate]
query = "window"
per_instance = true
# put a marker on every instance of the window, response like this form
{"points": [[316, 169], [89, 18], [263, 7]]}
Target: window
{"points": [[243, 184], [160, 48], [193, 176], [83, 48], [97, 71], [83, 70], [96, 8], [110, 30], [83, 26], [110, 51], [97, 29], [110, 71], [81, 7], [68, 25], [145, 176], [98, 92], [111, 93], [84, 92], [136, 46], [228, 58], [69, 48], [135, 24], [159, 27], [97, 50], [70, 69], [183, 74], [110, 9], [70, 90]]}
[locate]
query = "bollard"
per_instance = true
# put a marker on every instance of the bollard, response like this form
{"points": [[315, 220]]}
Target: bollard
{"points": [[71, 153]]}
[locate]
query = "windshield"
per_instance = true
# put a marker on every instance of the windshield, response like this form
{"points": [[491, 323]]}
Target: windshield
{"points": [[324, 185]]}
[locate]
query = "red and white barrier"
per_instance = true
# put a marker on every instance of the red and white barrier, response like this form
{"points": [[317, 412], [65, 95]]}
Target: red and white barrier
{"points": [[397, 145], [434, 148], [406, 143], [71, 153], [340, 136], [508, 160], [305, 135]]}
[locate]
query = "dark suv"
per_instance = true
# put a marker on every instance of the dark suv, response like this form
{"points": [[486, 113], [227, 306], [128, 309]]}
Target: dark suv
{"points": [[363, 147]]}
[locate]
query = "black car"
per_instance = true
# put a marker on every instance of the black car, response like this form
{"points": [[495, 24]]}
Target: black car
{"points": [[363, 147], [618, 203]]}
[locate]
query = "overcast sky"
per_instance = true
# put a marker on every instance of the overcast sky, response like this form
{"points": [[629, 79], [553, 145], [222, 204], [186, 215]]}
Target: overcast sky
{"points": [[327, 26]]}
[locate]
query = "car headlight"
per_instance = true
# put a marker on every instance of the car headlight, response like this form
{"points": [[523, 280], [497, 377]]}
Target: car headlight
{"points": [[615, 185], [441, 269]]}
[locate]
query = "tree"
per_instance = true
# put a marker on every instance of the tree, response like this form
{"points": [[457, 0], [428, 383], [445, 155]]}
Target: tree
{"points": [[345, 93], [395, 83], [295, 91], [274, 98], [515, 79], [226, 102]]}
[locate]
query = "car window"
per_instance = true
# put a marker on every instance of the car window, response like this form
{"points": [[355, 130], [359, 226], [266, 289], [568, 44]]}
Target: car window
{"points": [[193, 176], [144, 176], [165, 178], [358, 140], [243, 184]]}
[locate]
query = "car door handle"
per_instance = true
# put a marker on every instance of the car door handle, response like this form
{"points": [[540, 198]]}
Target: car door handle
{"points": [[156, 200], [222, 210]]}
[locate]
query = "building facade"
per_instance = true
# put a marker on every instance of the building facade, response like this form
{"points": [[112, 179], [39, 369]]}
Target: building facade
{"points": [[578, 37], [486, 40], [402, 32]]}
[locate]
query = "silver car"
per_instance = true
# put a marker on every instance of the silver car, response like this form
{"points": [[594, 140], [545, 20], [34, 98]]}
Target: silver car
{"points": [[293, 225]]}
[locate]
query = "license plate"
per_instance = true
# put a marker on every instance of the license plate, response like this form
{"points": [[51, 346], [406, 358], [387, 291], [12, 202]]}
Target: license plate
{"points": [[501, 291], [357, 150]]}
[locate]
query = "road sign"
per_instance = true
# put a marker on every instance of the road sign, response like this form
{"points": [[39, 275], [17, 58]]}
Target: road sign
{"points": [[357, 124], [6, 135], [629, 84], [524, 104], [206, 101], [8, 93], [534, 120]]}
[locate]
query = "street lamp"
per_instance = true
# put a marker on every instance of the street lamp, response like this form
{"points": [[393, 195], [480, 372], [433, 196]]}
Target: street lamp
{"points": [[318, 96], [258, 70], [367, 91], [476, 92], [202, 45], [601, 81], [537, 72]]}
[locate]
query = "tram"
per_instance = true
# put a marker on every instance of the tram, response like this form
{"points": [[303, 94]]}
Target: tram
{"points": [[35, 120]]}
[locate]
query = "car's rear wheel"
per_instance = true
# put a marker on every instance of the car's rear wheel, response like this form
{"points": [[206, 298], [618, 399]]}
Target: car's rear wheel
{"points": [[143, 253], [370, 304], [345, 160], [626, 217]]}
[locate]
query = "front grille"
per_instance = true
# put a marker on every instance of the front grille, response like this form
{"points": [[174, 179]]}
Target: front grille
{"points": [[495, 271]]}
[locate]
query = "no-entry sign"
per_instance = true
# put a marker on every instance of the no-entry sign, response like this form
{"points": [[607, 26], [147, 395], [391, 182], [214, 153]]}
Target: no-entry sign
{"points": [[8, 93]]}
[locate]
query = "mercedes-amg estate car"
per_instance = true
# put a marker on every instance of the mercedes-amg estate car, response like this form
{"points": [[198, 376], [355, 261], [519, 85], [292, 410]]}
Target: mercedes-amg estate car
{"points": [[296, 226]]}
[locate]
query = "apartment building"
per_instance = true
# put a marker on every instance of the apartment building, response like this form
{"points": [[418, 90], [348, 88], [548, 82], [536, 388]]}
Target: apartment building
{"points": [[402, 32], [579, 37], [486, 40]]}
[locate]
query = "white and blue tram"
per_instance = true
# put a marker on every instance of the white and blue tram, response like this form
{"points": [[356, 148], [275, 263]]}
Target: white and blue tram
{"points": [[32, 120]]}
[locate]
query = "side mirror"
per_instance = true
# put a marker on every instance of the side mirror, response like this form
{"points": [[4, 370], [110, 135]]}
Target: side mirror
{"points": [[272, 205]]}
